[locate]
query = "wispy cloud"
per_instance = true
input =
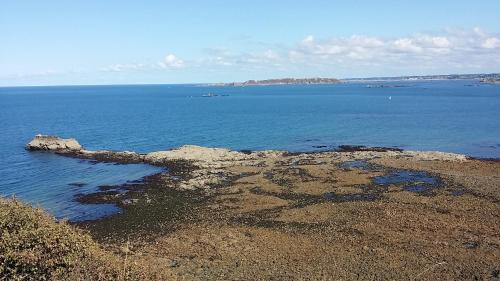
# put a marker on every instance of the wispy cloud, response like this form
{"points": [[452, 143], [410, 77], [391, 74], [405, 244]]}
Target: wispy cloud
{"points": [[221, 57], [124, 67], [170, 61]]}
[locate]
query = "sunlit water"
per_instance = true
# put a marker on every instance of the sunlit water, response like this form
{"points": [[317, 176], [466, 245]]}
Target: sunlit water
{"points": [[453, 116]]}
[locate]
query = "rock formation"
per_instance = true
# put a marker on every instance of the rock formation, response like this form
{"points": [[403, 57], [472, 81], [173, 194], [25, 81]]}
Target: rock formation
{"points": [[208, 167], [44, 142]]}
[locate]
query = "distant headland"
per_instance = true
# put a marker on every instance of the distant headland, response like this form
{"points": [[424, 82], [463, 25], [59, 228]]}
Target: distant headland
{"points": [[489, 78], [283, 81]]}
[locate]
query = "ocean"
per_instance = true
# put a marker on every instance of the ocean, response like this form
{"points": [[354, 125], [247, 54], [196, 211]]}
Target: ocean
{"points": [[454, 116]]}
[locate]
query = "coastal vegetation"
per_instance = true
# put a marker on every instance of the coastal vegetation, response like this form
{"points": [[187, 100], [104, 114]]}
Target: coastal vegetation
{"points": [[34, 246]]}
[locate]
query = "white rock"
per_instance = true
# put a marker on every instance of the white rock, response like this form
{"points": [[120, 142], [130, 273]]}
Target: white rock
{"points": [[43, 142], [204, 156]]}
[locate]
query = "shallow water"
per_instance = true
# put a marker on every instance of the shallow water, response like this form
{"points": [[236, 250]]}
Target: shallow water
{"points": [[404, 177], [356, 164], [438, 115], [412, 181], [418, 188], [54, 182]]}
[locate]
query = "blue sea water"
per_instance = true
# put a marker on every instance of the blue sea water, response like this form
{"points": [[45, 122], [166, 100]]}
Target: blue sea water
{"points": [[454, 116]]}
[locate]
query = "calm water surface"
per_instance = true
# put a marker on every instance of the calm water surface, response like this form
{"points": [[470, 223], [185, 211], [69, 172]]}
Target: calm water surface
{"points": [[454, 116]]}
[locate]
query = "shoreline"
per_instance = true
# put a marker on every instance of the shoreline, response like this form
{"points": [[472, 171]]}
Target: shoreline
{"points": [[179, 170], [365, 212]]}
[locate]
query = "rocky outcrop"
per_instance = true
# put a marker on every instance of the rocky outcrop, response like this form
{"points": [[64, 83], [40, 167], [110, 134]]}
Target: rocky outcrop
{"points": [[52, 143], [354, 148], [201, 156], [435, 156], [204, 167]]}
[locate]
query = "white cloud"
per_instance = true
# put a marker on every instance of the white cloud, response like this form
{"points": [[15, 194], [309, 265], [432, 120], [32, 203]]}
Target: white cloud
{"points": [[171, 61], [406, 45], [309, 40], [448, 49], [427, 52], [491, 43], [440, 42], [479, 32]]}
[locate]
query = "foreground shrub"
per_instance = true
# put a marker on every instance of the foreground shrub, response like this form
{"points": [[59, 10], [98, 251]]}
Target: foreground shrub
{"points": [[33, 246]]}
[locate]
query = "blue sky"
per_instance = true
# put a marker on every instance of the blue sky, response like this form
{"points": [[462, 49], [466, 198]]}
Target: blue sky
{"points": [[124, 42]]}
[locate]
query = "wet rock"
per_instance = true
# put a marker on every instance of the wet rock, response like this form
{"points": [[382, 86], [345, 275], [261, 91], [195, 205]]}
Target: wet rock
{"points": [[459, 192], [122, 157], [353, 148], [130, 201], [173, 263], [471, 244], [77, 184], [52, 143], [319, 146]]}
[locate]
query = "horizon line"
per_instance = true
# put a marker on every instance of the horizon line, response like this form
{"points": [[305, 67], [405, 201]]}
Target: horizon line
{"points": [[215, 83]]}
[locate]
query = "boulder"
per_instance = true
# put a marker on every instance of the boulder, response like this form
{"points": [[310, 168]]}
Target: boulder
{"points": [[52, 143]]}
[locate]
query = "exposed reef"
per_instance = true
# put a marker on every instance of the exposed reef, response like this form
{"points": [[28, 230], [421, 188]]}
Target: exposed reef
{"points": [[208, 165], [357, 213]]}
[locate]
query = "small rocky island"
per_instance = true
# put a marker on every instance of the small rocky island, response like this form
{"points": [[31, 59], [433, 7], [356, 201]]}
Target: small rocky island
{"points": [[355, 213], [51, 143], [284, 81]]}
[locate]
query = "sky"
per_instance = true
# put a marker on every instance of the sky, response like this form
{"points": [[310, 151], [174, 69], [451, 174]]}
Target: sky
{"points": [[60, 42]]}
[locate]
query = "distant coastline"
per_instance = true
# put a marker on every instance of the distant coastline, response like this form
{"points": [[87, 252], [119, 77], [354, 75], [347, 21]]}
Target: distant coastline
{"points": [[492, 80], [488, 78], [283, 81], [482, 77]]}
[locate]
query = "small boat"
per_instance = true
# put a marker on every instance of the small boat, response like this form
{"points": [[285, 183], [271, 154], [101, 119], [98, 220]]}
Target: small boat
{"points": [[390, 97]]}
